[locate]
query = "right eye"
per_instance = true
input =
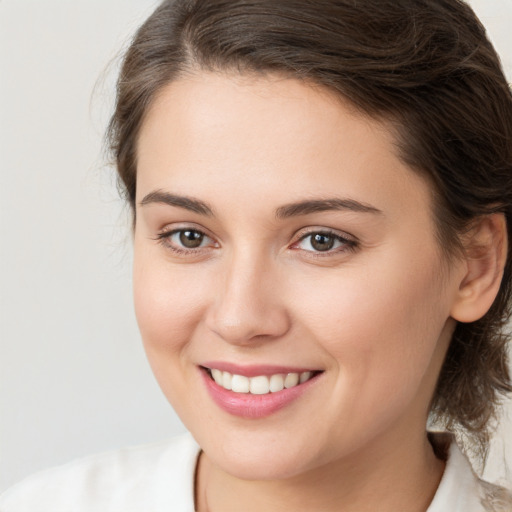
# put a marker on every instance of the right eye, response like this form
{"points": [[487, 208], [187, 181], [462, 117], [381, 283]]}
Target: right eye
{"points": [[185, 240]]}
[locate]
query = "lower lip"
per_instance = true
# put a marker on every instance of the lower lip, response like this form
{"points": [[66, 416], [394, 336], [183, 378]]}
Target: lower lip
{"points": [[246, 405]]}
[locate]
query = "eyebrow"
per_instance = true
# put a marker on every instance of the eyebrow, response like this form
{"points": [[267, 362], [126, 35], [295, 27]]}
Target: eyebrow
{"points": [[323, 205], [187, 203], [283, 212]]}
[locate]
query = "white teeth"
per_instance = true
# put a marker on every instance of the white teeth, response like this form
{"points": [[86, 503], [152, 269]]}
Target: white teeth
{"points": [[304, 376], [239, 383], [217, 376], [226, 380], [276, 383], [260, 385], [291, 380]]}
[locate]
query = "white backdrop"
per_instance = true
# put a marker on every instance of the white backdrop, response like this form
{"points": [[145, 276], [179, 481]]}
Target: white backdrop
{"points": [[73, 376]]}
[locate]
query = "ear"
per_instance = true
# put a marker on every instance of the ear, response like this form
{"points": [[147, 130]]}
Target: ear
{"points": [[485, 247]]}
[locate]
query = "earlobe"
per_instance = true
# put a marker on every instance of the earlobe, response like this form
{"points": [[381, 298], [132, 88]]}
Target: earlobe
{"points": [[485, 248]]}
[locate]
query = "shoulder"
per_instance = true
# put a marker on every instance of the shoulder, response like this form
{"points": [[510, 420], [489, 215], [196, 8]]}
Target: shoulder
{"points": [[461, 490], [150, 477]]}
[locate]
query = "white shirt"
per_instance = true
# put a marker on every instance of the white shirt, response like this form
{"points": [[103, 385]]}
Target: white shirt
{"points": [[160, 478]]}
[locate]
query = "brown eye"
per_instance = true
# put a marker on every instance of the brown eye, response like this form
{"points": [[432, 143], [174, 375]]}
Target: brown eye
{"points": [[186, 241], [322, 242], [325, 242], [191, 239]]}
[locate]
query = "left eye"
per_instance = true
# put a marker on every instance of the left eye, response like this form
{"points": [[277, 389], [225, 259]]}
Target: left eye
{"points": [[322, 242]]}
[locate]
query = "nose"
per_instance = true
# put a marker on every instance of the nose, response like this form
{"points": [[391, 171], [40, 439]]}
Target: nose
{"points": [[248, 307]]}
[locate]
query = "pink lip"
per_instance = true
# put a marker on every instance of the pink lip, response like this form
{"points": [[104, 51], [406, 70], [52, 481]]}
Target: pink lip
{"points": [[254, 370], [246, 405]]}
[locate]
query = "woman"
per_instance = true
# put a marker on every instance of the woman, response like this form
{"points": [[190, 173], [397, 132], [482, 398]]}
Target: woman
{"points": [[321, 196]]}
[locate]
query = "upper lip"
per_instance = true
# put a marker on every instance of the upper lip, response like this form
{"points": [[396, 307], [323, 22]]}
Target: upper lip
{"points": [[255, 370]]}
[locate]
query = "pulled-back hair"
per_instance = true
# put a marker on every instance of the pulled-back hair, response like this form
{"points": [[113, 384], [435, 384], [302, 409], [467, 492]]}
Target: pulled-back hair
{"points": [[425, 66]]}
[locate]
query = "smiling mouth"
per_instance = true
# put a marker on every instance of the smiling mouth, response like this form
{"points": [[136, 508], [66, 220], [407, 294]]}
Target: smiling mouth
{"points": [[261, 384]]}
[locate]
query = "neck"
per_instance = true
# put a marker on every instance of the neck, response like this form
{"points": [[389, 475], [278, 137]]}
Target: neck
{"points": [[403, 478]]}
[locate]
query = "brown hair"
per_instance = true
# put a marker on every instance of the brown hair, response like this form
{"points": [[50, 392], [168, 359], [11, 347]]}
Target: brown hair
{"points": [[424, 65]]}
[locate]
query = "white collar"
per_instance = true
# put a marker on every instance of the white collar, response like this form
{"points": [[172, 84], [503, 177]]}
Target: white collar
{"points": [[459, 490]]}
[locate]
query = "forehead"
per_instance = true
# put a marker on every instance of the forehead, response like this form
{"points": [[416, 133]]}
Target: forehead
{"points": [[261, 106], [212, 133]]}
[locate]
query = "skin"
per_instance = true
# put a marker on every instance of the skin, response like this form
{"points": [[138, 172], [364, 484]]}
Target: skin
{"points": [[375, 314]]}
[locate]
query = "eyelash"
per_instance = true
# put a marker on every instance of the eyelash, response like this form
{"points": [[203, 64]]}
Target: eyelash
{"points": [[164, 238], [348, 244]]}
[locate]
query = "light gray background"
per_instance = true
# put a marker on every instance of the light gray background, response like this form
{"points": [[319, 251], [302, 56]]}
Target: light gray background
{"points": [[73, 376]]}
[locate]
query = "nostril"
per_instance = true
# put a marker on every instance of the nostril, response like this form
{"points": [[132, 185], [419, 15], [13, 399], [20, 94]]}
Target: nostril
{"points": [[248, 325]]}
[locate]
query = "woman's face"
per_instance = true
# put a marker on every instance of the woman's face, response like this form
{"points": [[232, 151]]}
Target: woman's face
{"points": [[278, 233]]}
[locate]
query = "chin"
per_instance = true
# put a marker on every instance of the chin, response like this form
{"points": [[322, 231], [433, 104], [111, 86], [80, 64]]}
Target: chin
{"points": [[261, 457], [260, 468]]}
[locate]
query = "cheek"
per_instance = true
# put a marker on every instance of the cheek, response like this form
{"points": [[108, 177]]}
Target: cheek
{"points": [[381, 326], [167, 303], [168, 309]]}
